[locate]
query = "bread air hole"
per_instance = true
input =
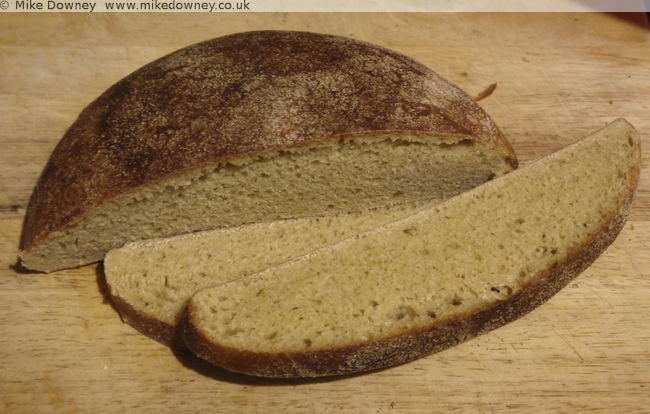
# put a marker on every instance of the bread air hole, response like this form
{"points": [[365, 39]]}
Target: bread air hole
{"points": [[410, 231], [502, 290], [233, 331], [405, 312]]}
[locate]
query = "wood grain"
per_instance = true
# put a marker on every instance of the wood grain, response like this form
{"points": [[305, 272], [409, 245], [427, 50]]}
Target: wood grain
{"points": [[559, 76]]}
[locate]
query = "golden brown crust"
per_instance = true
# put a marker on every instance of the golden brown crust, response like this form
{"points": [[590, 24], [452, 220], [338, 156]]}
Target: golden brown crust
{"points": [[234, 97], [416, 344]]}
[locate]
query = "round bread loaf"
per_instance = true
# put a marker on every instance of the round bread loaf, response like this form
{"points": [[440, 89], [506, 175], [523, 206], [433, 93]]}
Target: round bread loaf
{"points": [[254, 127]]}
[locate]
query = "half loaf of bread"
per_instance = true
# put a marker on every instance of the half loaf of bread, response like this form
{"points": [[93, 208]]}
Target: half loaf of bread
{"points": [[151, 281], [252, 127], [429, 281]]}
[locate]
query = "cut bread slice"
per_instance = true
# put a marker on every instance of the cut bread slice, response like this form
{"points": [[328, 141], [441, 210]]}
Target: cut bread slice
{"points": [[253, 127], [151, 281], [430, 281]]}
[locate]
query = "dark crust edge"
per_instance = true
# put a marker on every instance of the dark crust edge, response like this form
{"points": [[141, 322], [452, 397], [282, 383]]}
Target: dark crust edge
{"points": [[146, 324], [416, 344]]}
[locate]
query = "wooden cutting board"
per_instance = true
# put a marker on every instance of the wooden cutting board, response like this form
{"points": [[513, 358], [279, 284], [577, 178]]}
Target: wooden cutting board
{"points": [[64, 349]]}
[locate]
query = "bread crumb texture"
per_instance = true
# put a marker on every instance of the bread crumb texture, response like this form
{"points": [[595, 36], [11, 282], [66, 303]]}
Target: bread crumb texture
{"points": [[449, 261], [341, 176], [251, 127], [157, 277]]}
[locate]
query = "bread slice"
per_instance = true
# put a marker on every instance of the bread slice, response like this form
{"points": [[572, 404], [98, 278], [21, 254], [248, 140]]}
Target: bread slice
{"points": [[430, 281], [252, 127], [151, 281]]}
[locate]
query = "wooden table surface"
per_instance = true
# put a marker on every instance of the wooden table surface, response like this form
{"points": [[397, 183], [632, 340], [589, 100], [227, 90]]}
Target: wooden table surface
{"points": [[63, 347]]}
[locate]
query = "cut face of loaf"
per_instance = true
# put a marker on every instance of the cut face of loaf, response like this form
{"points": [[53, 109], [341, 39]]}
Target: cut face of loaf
{"points": [[253, 127], [429, 281], [151, 281]]}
